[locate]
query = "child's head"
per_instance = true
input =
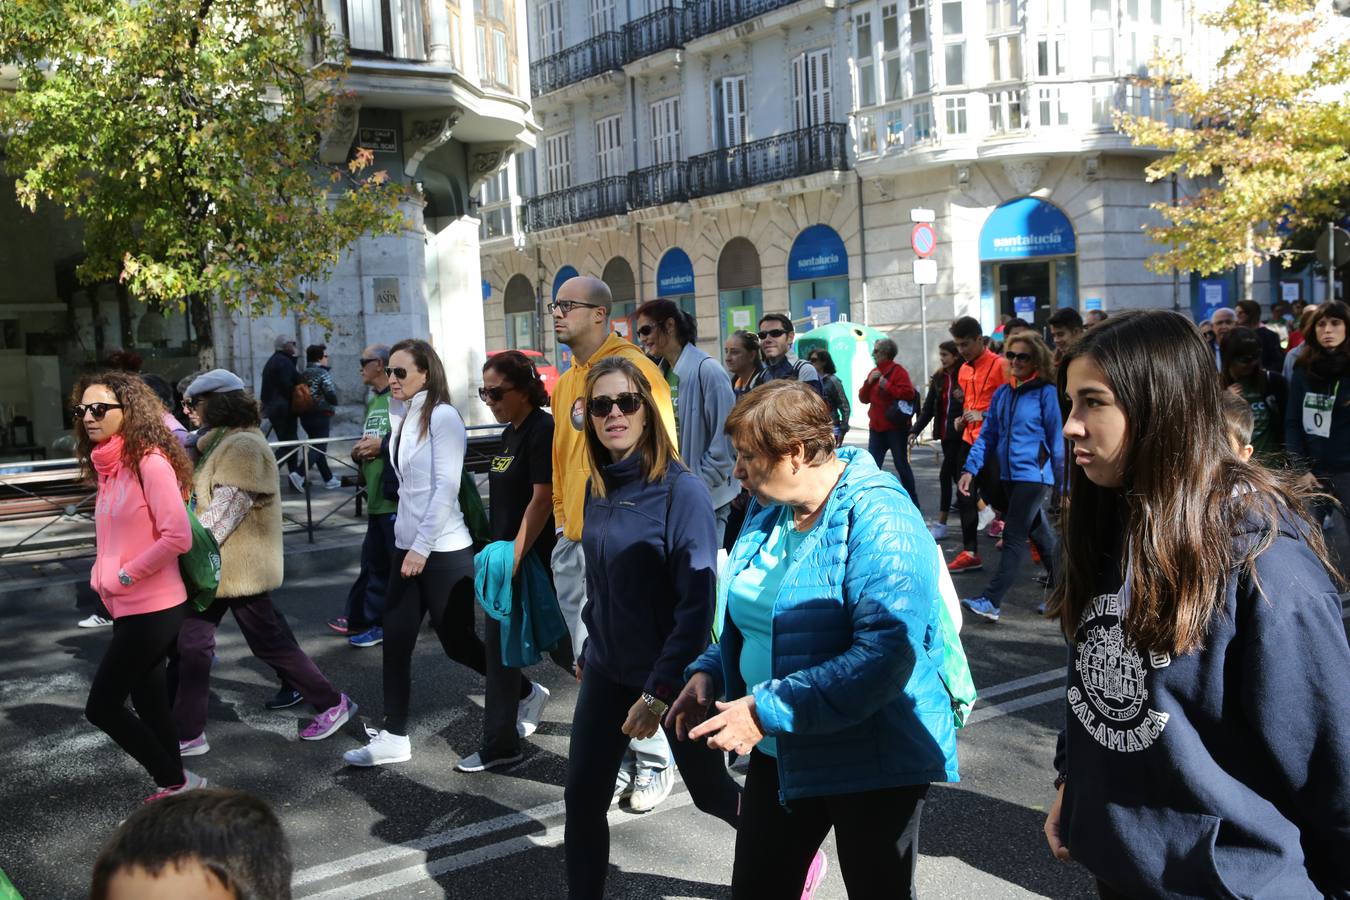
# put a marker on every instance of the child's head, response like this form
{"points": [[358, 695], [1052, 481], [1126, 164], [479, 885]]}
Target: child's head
{"points": [[198, 845], [1239, 422]]}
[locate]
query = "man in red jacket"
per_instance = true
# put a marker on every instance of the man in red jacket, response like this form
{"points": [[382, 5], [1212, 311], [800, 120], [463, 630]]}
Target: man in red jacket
{"points": [[891, 398], [982, 374]]}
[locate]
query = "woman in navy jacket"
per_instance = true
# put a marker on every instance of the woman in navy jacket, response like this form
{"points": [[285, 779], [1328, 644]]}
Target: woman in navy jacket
{"points": [[830, 658], [1317, 416], [650, 542], [1206, 750], [1023, 428]]}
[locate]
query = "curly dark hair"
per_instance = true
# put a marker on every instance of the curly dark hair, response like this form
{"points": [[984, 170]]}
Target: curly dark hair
{"points": [[517, 370], [143, 429], [228, 409]]}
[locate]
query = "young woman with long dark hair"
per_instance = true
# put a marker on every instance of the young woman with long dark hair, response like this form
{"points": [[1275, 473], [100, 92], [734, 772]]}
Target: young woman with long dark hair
{"points": [[140, 530], [1264, 391], [1317, 416], [942, 407], [1206, 751], [433, 561]]}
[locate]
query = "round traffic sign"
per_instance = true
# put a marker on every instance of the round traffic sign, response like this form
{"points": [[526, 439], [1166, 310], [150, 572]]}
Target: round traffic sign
{"points": [[923, 239]]}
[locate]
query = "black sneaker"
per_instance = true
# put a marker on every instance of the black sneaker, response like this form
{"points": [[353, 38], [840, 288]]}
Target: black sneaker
{"points": [[284, 699]]}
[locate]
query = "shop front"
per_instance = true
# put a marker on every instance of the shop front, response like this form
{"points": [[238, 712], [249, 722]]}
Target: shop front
{"points": [[818, 291], [1028, 262], [740, 298]]}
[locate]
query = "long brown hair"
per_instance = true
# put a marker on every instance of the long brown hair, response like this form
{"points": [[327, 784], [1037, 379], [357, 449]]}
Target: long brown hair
{"points": [[1185, 494], [143, 428], [655, 445], [437, 388]]}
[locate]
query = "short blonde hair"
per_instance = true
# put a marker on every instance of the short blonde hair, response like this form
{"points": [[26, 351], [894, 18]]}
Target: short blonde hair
{"points": [[1041, 357], [775, 418]]}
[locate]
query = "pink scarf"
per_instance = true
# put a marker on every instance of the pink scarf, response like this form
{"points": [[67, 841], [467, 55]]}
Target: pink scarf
{"points": [[107, 456]]}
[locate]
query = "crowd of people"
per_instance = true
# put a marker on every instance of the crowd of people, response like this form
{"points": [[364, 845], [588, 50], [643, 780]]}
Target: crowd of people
{"points": [[732, 583]]}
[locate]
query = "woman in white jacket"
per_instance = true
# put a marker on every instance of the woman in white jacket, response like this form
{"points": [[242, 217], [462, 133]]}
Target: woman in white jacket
{"points": [[433, 562]]}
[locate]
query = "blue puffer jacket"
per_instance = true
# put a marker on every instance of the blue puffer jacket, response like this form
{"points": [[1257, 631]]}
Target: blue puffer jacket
{"points": [[1024, 429], [856, 701]]}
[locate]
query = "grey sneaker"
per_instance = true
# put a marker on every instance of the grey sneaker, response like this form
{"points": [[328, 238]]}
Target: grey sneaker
{"points": [[623, 786], [476, 763], [651, 787], [531, 710], [297, 481], [93, 621]]}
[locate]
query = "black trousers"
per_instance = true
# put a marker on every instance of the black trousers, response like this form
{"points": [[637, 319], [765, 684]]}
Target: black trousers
{"points": [[897, 442], [504, 688], [593, 760], [317, 425], [876, 832], [133, 666], [444, 589], [286, 428], [953, 457], [1024, 518], [985, 486], [365, 601]]}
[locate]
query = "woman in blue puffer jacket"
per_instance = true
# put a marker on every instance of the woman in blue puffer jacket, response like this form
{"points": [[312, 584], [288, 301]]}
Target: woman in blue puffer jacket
{"points": [[829, 658], [1023, 428]]}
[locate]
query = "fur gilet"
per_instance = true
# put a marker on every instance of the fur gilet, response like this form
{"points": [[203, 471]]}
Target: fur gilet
{"points": [[251, 559]]}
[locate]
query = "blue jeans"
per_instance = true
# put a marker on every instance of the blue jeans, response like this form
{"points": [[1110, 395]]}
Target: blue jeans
{"points": [[365, 601], [1025, 517], [897, 441]]}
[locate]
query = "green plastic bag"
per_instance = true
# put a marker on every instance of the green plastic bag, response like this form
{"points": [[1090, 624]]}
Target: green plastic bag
{"points": [[954, 670], [471, 505], [200, 566], [7, 890]]}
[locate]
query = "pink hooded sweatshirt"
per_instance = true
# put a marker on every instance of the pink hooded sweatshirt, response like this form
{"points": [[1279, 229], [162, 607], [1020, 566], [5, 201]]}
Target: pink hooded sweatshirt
{"points": [[141, 527]]}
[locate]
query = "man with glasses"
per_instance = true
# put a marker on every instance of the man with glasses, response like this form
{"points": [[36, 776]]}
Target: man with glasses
{"points": [[364, 621], [775, 342], [581, 321]]}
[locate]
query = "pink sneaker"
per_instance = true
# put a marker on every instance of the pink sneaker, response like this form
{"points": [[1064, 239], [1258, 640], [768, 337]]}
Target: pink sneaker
{"points": [[329, 721], [193, 782], [995, 528], [815, 875]]}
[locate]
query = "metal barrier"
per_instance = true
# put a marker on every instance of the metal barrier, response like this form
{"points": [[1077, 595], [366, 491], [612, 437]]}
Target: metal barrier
{"points": [[68, 499]]}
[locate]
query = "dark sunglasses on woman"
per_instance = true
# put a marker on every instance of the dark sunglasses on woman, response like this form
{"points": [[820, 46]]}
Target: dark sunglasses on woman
{"points": [[627, 403], [492, 395], [1017, 357], [99, 410], [400, 373]]}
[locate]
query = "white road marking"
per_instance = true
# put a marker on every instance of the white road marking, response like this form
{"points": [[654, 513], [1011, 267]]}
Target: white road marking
{"points": [[1017, 684], [995, 710]]}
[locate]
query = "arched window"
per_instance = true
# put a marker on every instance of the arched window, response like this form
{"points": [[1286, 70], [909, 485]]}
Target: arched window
{"points": [[740, 298], [520, 313], [618, 275]]}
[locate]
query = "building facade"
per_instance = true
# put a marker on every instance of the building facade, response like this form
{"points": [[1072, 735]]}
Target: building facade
{"points": [[751, 156]]}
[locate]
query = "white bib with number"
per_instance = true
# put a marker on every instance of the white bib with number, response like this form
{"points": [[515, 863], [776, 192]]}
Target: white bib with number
{"points": [[1317, 413]]}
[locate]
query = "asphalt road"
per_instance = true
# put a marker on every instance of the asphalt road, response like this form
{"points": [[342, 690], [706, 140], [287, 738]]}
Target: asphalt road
{"points": [[420, 829]]}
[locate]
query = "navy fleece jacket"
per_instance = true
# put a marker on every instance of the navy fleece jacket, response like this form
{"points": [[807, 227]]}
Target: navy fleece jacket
{"points": [[1224, 772], [651, 576]]}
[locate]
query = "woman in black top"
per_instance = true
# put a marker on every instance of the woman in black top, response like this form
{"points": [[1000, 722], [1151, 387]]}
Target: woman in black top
{"points": [[942, 407], [832, 389], [520, 501]]}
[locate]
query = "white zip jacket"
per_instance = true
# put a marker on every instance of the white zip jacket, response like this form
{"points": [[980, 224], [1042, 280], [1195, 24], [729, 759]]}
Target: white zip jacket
{"points": [[428, 467]]}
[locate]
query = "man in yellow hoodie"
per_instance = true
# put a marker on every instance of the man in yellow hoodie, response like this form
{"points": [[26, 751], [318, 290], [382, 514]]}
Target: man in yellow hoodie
{"points": [[581, 321]]}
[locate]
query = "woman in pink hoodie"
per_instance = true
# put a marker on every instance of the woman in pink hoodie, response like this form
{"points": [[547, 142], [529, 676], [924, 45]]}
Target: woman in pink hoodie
{"points": [[141, 528]]}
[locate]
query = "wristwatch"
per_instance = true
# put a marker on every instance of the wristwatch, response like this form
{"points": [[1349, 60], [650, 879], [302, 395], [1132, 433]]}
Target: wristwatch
{"points": [[123, 577], [656, 707]]}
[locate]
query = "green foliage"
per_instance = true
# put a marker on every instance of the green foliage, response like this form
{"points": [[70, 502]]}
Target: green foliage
{"points": [[184, 135], [1267, 134]]}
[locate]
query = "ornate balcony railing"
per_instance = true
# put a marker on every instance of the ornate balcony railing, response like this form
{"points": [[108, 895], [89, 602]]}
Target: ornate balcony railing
{"points": [[602, 53], [819, 148], [655, 185], [661, 30], [607, 197], [707, 16]]}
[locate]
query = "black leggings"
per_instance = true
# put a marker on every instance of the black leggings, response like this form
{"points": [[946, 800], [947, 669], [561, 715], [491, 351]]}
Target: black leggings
{"points": [[876, 833], [985, 486], [593, 760], [952, 459], [444, 588], [133, 665]]}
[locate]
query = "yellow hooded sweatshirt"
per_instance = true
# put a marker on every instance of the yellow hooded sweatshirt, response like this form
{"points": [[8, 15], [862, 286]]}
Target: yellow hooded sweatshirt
{"points": [[569, 437]]}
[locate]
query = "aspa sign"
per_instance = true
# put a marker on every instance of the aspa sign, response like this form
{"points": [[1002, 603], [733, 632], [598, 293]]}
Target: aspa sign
{"points": [[923, 240]]}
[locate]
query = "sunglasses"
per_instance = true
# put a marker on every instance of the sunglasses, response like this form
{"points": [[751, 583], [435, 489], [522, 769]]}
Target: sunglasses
{"points": [[566, 306], [99, 410], [400, 373], [627, 403], [645, 330], [365, 362], [771, 333], [1017, 357], [492, 395]]}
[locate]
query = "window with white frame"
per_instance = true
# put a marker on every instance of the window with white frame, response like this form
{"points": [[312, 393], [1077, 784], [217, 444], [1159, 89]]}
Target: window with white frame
{"points": [[867, 134], [956, 115], [1056, 12], [481, 34], [494, 209], [923, 76], [1001, 15], [895, 129], [665, 119], [923, 122], [1053, 112], [892, 62], [558, 162], [812, 92], [1005, 58], [953, 43], [1005, 112], [550, 20], [732, 117], [918, 22], [609, 147], [1100, 12], [602, 16], [1155, 12], [864, 59], [1052, 56], [1103, 101], [920, 50], [501, 59], [1103, 51]]}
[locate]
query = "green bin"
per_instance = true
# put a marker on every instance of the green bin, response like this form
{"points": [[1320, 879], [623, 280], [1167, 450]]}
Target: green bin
{"points": [[850, 346]]}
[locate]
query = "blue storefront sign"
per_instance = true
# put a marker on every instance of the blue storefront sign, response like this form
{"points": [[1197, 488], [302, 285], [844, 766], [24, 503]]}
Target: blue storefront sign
{"points": [[564, 273], [674, 274], [1213, 295], [1026, 228], [818, 252]]}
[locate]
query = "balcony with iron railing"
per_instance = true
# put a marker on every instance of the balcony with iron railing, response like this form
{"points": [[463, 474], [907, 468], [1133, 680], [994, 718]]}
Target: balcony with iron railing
{"points": [[602, 53], [817, 148], [709, 16], [654, 33], [658, 185], [594, 200]]}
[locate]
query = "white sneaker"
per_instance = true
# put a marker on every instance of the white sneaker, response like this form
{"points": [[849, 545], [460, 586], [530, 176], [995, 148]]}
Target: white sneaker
{"points": [[383, 748], [531, 710], [651, 787], [623, 786], [94, 621], [938, 530], [987, 515], [333, 483], [297, 481]]}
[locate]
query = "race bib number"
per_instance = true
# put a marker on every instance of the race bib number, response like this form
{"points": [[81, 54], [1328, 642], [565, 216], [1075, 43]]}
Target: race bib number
{"points": [[1317, 413]]}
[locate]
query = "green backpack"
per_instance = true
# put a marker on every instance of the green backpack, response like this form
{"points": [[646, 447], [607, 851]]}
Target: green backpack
{"points": [[200, 566], [471, 505]]}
